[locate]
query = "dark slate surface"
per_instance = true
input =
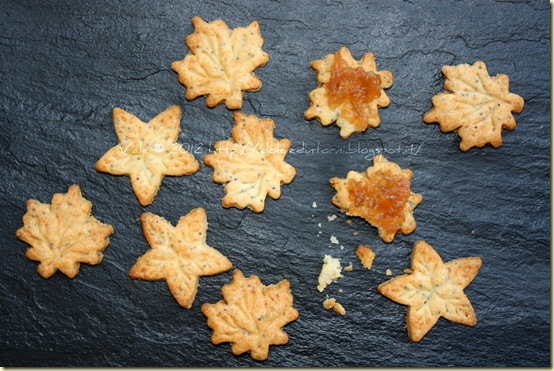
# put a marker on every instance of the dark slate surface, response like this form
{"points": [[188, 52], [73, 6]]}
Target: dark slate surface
{"points": [[65, 65]]}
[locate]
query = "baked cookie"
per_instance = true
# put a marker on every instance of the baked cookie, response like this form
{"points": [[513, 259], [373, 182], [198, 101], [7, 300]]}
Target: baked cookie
{"points": [[251, 315], [474, 105], [432, 290], [221, 62], [381, 195], [350, 92], [179, 255], [147, 152], [63, 234], [251, 163]]}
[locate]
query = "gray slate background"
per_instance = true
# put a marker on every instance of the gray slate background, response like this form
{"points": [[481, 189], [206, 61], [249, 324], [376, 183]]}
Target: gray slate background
{"points": [[64, 65]]}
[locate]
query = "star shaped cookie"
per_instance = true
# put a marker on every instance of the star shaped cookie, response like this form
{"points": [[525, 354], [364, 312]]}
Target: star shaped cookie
{"points": [[432, 290], [179, 255], [381, 195], [147, 152]]}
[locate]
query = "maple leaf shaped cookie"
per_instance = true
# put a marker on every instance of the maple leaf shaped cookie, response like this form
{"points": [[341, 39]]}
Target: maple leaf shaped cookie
{"points": [[251, 316], [350, 94], [251, 163], [147, 152], [221, 62], [432, 290], [474, 105], [381, 195], [63, 234], [179, 255]]}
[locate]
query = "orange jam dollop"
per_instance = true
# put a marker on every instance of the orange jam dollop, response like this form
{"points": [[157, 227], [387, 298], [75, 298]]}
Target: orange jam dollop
{"points": [[380, 199], [355, 86]]}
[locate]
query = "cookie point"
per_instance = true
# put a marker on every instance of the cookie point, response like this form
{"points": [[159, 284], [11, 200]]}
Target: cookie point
{"points": [[74, 188], [117, 111], [175, 108], [199, 211], [196, 20]]}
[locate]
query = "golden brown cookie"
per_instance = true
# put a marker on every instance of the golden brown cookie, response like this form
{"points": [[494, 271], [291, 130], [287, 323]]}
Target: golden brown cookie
{"points": [[221, 62], [381, 195], [179, 255], [432, 290], [350, 92], [251, 315], [251, 163], [64, 234], [474, 105], [147, 152], [366, 256]]}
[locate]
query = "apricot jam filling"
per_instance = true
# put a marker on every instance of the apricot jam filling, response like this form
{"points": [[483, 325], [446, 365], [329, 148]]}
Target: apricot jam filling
{"points": [[380, 199], [352, 88]]}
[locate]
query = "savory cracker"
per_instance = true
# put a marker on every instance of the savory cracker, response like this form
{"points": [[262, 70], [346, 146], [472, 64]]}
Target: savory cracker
{"points": [[221, 62], [251, 315], [350, 92], [251, 163], [179, 255], [474, 105], [366, 256], [381, 195], [147, 152], [432, 290], [64, 234]]}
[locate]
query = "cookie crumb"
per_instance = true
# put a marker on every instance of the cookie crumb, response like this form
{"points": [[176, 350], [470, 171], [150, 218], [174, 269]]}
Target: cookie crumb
{"points": [[349, 267], [330, 272], [388, 272], [330, 218], [314, 204], [334, 240], [331, 303], [366, 256]]}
